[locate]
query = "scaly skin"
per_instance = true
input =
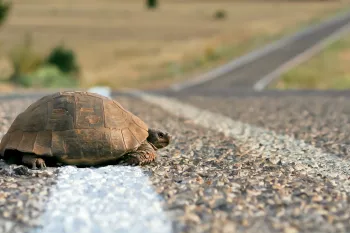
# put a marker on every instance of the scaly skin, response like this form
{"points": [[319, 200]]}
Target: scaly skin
{"points": [[33, 160], [145, 154]]}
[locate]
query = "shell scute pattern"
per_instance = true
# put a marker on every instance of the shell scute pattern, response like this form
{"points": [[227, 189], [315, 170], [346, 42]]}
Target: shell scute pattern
{"points": [[75, 125], [115, 117]]}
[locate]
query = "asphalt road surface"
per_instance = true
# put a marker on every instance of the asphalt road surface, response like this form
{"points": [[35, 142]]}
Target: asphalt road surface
{"points": [[238, 162], [244, 73], [243, 165]]}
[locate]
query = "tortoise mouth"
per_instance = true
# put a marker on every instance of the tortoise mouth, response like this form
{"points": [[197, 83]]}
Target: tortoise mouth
{"points": [[164, 144], [161, 144]]}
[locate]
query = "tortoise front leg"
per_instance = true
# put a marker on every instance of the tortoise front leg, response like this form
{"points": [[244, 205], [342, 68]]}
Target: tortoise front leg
{"points": [[145, 154], [33, 160]]}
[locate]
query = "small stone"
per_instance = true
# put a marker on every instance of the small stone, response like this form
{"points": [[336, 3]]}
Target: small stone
{"points": [[245, 222], [229, 227], [21, 170], [6, 214], [217, 203], [192, 218], [317, 198], [290, 230]]}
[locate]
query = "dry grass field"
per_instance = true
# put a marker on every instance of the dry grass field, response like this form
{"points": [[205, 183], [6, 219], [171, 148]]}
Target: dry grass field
{"points": [[122, 44]]}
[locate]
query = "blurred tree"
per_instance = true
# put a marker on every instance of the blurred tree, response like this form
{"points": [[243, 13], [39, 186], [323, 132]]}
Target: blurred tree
{"points": [[152, 3], [4, 10]]}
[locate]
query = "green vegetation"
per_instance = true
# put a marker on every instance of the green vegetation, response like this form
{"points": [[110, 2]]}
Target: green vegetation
{"points": [[64, 59], [5, 8], [220, 14], [152, 3], [47, 76], [32, 69], [329, 69]]}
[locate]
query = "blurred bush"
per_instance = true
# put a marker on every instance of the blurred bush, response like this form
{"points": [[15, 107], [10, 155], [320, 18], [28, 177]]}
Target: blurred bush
{"points": [[220, 14], [64, 59], [31, 69], [47, 76], [4, 10], [152, 4]]}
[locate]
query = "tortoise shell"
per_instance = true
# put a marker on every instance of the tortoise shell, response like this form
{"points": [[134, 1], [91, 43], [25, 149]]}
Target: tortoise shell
{"points": [[75, 127]]}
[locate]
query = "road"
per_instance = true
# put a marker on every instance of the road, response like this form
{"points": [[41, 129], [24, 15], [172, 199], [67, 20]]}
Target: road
{"points": [[258, 68], [240, 161]]}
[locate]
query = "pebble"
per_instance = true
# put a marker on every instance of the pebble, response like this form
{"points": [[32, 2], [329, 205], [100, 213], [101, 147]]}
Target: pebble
{"points": [[23, 192], [207, 182], [267, 193]]}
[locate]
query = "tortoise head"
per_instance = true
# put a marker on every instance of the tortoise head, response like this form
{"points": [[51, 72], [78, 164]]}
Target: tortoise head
{"points": [[158, 138]]}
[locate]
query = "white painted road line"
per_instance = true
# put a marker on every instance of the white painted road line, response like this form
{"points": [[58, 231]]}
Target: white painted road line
{"points": [[103, 200], [289, 151], [302, 57], [255, 54], [108, 199]]}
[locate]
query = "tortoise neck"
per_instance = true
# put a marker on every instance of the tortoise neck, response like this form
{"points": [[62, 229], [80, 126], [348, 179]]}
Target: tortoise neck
{"points": [[153, 146]]}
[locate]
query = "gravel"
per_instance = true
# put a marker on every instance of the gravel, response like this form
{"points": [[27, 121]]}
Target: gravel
{"points": [[106, 199], [323, 122], [215, 183], [207, 181], [22, 196], [23, 192]]}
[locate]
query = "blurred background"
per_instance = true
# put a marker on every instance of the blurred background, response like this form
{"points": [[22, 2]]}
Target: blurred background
{"points": [[151, 44]]}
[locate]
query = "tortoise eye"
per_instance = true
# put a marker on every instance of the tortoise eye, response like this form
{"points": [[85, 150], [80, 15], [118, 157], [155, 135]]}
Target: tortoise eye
{"points": [[161, 135]]}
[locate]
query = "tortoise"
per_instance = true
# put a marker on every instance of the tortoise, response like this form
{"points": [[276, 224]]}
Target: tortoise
{"points": [[80, 128]]}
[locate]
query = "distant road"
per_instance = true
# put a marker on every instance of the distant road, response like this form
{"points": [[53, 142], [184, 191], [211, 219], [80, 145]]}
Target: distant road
{"points": [[259, 67]]}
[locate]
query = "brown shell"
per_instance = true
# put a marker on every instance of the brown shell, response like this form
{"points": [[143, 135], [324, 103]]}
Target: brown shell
{"points": [[76, 127]]}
